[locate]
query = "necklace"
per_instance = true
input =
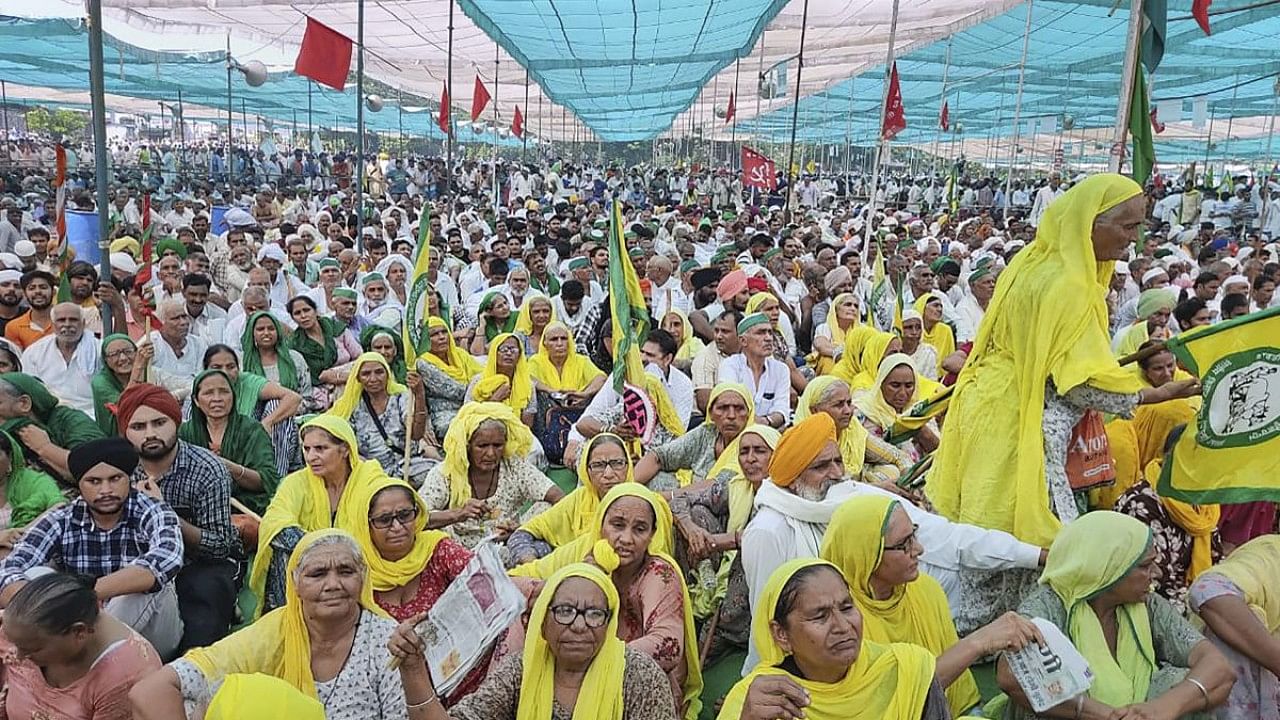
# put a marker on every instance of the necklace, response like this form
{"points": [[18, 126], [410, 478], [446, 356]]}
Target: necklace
{"points": [[334, 687]]}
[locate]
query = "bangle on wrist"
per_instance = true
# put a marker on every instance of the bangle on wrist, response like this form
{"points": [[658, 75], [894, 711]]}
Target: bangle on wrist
{"points": [[1204, 692], [414, 706]]}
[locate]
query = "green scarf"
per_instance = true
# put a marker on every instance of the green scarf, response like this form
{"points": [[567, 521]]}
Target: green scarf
{"points": [[29, 492], [106, 387], [284, 359], [67, 427], [320, 356], [248, 388], [244, 442], [398, 368]]}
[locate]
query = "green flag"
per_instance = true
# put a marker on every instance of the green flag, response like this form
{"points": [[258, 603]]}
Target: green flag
{"points": [[1154, 15], [1144, 151], [629, 316]]}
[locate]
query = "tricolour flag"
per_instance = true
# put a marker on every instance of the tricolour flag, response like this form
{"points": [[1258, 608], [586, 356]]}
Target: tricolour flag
{"points": [[63, 249], [325, 55], [1229, 456], [630, 318], [414, 330]]}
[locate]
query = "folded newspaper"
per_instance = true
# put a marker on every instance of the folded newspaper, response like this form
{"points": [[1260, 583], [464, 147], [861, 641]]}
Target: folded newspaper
{"points": [[470, 616], [1051, 674]]}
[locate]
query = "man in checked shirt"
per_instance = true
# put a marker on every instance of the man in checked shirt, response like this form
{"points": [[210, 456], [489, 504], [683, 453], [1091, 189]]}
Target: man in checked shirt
{"points": [[127, 540], [195, 483]]}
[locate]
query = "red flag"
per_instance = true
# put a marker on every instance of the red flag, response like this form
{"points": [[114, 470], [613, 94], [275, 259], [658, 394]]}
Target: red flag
{"points": [[143, 275], [325, 55], [517, 124], [59, 184], [479, 98], [1200, 11], [945, 119], [443, 119], [895, 118], [728, 114], [758, 171], [1155, 120]]}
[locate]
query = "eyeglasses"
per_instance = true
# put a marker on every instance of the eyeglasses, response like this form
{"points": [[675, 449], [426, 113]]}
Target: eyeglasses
{"points": [[593, 617], [599, 466], [124, 353], [404, 517], [906, 543]]}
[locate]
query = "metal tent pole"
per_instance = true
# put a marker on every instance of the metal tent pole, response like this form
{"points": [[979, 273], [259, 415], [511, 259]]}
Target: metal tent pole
{"points": [[1017, 106], [795, 113], [883, 153], [448, 89], [524, 134], [359, 200], [4, 109], [97, 90], [229, 164]]}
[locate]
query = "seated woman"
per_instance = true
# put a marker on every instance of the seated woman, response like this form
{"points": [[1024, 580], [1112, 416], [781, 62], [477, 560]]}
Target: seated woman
{"points": [[872, 348], [329, 641], [506, 379], [10, 357], [25, 493], [573, 661], [318, 496], [62, 657], [1143, 654], [240, 442], [536, 313], [1185, 537], [828, 337], [376, 406], [323, 344], [914, 346], [677, 323], [495, 319], [266, 352], [872, 541], [569, 381], [123, 364], [485, 480], [410, 566], [269, 403], [1238, 602], [815, 662], [601, 465], [896, 388], [46, 429], [446, 372], [936, 333], [730, 408], [631, 540]]}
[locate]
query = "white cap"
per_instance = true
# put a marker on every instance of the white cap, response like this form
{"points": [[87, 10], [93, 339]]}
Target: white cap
{"points": [[124, 262], [1152, 274], [24, 248]]}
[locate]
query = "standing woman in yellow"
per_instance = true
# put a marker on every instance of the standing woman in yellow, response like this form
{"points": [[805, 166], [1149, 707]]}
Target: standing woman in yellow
{"points": [[1041, 358]]}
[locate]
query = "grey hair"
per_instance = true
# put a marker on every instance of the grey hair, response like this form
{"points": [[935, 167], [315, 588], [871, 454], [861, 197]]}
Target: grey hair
{"points": [[341, 539], [255, 293], [170, 308], [490, 424], [10, 390], [825, 396]]}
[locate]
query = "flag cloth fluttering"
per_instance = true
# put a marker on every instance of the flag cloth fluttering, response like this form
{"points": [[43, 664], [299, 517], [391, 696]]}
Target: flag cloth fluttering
{"points": [[758, 171], [1200, 11], [325, 55], [443, 118], [1154, 16], [1229, 455], [479, 99], [517, 123], [944, 119], [414, 330], [729, 112], [630, 319], [895, 118], [1144, 151]]}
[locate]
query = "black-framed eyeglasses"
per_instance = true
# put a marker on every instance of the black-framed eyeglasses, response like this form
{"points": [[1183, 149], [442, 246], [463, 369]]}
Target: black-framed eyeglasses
{"points": [[906, 543], [593, 617], [599, 466], [404, 517]]}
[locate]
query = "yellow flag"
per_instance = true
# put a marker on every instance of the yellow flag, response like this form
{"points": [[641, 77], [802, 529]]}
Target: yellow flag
{"points": [[1231, 455]]}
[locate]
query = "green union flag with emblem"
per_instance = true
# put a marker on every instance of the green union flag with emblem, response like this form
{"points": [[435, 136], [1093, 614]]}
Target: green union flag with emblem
{"points": [[414, 330], [630, 318], [1232, 454]]}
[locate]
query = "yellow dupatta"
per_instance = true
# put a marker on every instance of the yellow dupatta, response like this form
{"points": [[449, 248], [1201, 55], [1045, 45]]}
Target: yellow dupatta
{"points": [[278, 643], [600, 697], [521, 381], [853, 439], [826, 364], [457, 461], [524, 319], [390, 574], [1124, 452], [885, 682], [869, 359], [661, 545], [302, 501], [916, 612], [1255, 568], [349, 400], [1090, 555], [741, 494], [572, 516], [690, 345], [1025, 340], [849, 364], [941, 337], [245, 696], [460, 366], [872, 404], [578, 371]]}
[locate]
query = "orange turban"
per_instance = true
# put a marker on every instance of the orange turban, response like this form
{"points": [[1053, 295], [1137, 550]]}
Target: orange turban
{"points": [[799, 446]]}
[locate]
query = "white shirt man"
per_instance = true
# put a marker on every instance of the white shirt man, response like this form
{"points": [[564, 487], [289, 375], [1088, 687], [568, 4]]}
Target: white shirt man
{"points": [[679, 387], [66, 360], [771, 388], [1044, 197], [178, 353]]}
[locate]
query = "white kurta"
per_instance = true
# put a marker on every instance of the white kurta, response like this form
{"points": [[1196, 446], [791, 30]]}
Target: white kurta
{"points": [[68, 381]]}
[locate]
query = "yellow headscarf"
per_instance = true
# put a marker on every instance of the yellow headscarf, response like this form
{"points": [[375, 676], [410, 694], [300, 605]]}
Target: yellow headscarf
{"points": [[741, 494], [755, 302], [302, 500], [853, 439], [524, 319], [660, 546], [1255, 568], [460, 366], [941, 337], [457, 460], [885, 681], [278, 643], [873, 350], [833, 321], [600, 697], [349, 400], [850, 364], [261, 697], [1090, 555], [733, 387], [1025, 340], [690, 345], [390, 574], [915, 613], [578, 371], [521, 381], [872, 404], [572, 516]]}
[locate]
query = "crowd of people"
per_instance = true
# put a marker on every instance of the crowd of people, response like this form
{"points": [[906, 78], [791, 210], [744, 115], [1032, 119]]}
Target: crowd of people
{"points": [[230, 490]]}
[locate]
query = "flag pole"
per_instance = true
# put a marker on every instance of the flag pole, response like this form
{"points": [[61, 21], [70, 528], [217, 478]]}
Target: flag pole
{"points": [[795, 114], [1121, 128], [881, 145], [448, 170], [359, 203], [229, 165], [497, 187], [524, 135], [1017, 105], [937, 136], [97, 90], [733, 129]]}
